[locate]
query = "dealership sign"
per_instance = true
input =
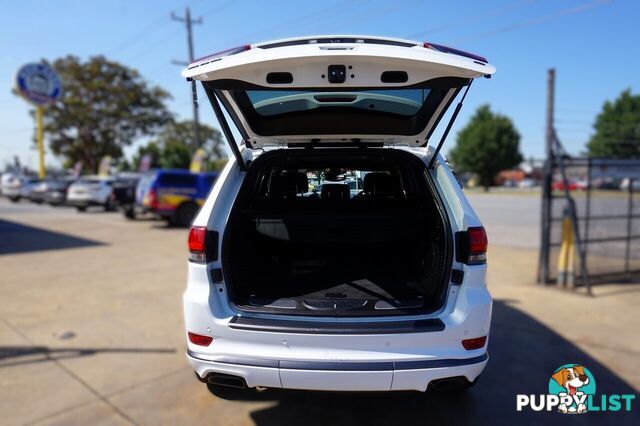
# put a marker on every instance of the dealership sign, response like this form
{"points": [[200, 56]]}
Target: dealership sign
{"points": [[39, 84]]}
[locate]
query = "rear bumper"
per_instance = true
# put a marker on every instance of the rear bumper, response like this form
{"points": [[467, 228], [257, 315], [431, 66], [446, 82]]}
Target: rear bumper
{"points": [[83, 202], [338, 376]]}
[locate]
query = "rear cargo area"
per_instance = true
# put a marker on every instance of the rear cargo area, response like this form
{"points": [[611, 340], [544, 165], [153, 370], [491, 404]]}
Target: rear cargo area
{"points": [[314, 235]]}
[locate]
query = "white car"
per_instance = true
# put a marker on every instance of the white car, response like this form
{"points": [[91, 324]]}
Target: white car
{"points": [[10, 186], [15, 187], [383, 291], [90, 191]]}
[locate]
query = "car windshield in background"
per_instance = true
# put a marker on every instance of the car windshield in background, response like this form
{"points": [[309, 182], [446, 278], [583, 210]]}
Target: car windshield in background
{"points": [[406, 102]]}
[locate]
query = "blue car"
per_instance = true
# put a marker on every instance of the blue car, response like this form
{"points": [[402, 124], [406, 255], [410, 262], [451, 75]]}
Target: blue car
{"points": [[173, 195]]}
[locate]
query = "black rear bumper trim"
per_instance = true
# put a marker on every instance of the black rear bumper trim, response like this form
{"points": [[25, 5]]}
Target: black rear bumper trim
{"points": [[326, 327], [341, 365]]}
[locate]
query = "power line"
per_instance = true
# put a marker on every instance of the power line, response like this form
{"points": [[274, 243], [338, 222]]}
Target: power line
{"points": [[473, 19], [219, 8], [302, 20], [537, 21], [144, 52], [137, 37]]}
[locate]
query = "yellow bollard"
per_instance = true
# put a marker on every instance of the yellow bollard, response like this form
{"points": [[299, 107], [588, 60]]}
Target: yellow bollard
{"points": [[567, 255], [42, 172]]}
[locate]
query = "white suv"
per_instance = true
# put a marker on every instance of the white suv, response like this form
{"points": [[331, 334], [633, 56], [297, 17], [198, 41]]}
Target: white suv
{"points": [[379, 290]]}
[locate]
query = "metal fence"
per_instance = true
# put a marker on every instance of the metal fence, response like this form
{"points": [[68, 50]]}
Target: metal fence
{"points": [[603, 195]]}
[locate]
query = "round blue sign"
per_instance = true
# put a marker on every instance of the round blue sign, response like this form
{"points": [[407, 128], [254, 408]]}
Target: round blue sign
{"points": [[39, 84]]}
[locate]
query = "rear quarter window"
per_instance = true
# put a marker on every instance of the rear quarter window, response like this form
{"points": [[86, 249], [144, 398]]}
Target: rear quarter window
{"points": [[448, 187]]}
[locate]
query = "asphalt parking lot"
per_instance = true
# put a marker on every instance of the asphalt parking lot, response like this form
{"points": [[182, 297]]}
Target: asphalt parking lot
{"points": [[91, 332]]}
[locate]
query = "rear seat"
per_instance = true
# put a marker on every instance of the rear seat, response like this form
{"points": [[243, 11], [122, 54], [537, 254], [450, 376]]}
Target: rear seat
{"points": [[382, 195]]}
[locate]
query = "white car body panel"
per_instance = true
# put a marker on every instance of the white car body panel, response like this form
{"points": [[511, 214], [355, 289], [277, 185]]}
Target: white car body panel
{"points": [[335, 361], [466, 313]]}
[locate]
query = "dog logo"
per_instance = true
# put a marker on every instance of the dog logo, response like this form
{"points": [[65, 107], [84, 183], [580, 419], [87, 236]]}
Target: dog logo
{"points": [[573, 384]]}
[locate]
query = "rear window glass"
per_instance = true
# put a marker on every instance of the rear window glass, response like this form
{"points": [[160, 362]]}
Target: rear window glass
{"points": [[404, 111], [406, 102]]}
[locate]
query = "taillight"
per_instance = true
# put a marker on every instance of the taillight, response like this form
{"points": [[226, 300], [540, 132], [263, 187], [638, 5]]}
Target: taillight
{"points": [[152, 197], [199, 339], [197, 244], [472, 246], [475, 343]]}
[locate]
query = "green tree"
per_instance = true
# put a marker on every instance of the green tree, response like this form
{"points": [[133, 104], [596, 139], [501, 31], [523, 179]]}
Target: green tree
{"points": [[487, 145], [183, 132], [617, 128], [153, 150], [175, 155], [175, 146], [104, 107]]}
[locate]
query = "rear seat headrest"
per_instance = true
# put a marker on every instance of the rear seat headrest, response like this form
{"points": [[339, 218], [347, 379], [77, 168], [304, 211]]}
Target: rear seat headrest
{"points": [[335, 191], [288, 185], [382, 185], [302, 182]]}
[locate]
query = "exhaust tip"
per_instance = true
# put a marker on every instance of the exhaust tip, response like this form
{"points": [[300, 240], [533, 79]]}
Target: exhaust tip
{"points": [[227, 380], [455, 382]]}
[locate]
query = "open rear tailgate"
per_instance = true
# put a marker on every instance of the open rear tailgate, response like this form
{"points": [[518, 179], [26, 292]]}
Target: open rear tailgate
{"points": [[337, 89]]}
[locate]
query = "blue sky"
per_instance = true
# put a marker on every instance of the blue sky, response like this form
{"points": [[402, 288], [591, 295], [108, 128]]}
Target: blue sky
{"points": [[591, 43]]}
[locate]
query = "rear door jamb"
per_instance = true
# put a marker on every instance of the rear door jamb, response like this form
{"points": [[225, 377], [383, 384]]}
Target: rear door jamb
{"points": [[213, 99]]}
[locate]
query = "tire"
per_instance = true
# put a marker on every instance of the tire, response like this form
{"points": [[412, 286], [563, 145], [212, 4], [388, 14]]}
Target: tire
{"points": [[14, 199], [81, 208], [184, 214], [109, 205], [129, 214]]}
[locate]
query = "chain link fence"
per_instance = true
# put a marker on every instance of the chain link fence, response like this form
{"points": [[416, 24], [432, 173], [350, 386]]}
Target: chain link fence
{"points": [[606, 195]]}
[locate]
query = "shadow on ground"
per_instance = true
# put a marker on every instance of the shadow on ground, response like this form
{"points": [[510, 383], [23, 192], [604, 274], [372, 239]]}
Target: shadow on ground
{"points": [[19, 355], [19, 238], [523, 355]]}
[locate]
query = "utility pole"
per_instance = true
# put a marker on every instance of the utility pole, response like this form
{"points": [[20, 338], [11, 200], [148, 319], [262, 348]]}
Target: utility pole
{"points": [[188, 22], [545, 228]]}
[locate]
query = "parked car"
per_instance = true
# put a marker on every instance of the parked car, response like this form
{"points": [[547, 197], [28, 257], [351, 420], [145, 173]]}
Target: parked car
{"points": [[28, 184], [572, 185], [40, 190], [627, 182], [90, 191], [173, 195], [11, 186], [383, 291], [56, 194], [124, 193], [527, 183], [606, 183]]}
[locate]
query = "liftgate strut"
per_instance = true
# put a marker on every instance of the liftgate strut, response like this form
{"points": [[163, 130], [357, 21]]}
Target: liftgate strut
{"points": [[448, 128]]}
